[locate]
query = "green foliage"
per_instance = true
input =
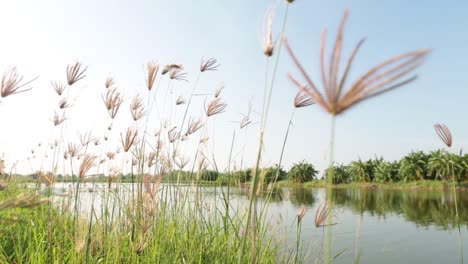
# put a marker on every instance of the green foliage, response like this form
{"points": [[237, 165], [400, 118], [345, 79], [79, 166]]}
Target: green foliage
{"points": [[243, 175], [363, 171], [209, 175], [414, 167], [302, 172], [341, 174], [386, 172], [272, 173]]}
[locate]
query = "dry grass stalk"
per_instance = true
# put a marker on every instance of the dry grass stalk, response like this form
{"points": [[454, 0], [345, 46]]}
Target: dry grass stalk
{"points": [[301, 213], [181, 162], [151, 160], [194, 126], [130, 139], [382, 78], [152, 185], [177, 74], [75, 73], [86, 164], [169, 67], [268, 43], [321, 215], [215, 106], [12, 82], [46, 178], [136, 108], [85, 138], [109, 82], [173, 135], [22, 201], [110, 155], [218, 90], [58, 119], [59, 88], [204, 140], [64, 104], [209, 65], [152, 70], [302, 99], [444, 134], [112, 101], [74, 150], [180, 100], [245, 122]]}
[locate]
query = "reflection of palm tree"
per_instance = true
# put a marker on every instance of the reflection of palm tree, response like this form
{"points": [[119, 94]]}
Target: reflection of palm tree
{"points": [[300, 196], [423, 208]]}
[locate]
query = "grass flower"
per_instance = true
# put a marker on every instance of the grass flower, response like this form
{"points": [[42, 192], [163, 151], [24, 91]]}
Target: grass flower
{"points": [[215, 106], [177, 74], [151, 70], [136, 108], [173, 135], [130, 139], [12, 83], [209, 65], [444, 134], [180, 100], [58, 119], [302, 99], [194, 126], [58, 87], [112, 101], [381, 78], [109, 82], [64, 104], [75, 73], [169, 67], [268, 43]]}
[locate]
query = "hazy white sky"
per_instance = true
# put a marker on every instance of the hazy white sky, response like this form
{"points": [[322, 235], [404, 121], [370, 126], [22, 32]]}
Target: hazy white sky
{"points": [[117, 38]]}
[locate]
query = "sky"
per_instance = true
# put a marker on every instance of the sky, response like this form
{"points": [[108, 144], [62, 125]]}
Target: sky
{"points": [[117, 38]]}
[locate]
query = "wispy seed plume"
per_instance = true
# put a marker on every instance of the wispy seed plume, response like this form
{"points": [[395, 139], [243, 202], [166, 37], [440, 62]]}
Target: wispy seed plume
{"points": [[75, 72], [209, 65], [130, 139], [444, 134], [215, 106], [151, 72], [382, 78], [12, 83], [58, 87]]}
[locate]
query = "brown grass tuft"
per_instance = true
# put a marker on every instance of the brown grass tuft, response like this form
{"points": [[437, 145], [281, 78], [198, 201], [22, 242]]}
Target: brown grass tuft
{"points": [[209, 65], [382, 78], [130, 139], [59, 88], [12, 82], [444, 134], [75, 73], [136, 108], [215, 106], [151, 70], [86, 164]]}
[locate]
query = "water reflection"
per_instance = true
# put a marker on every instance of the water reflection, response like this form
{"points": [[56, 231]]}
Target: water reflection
{"points": [[422, 207]]}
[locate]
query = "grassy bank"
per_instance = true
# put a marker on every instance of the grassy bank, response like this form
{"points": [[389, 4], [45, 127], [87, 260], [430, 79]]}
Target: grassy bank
{"points": [[423, 184], [161, 234]]}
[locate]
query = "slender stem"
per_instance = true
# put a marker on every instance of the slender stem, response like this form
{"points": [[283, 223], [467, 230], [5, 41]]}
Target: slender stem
{"points": [[252, 211], [456, 212], [330, 190]]}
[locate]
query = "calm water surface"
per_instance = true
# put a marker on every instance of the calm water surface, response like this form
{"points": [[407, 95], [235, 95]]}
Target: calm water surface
{"points": [[383, 226]]}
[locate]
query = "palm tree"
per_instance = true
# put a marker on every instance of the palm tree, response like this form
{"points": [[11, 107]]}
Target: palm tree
{"points": [[413, 166], [386, 172]]}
